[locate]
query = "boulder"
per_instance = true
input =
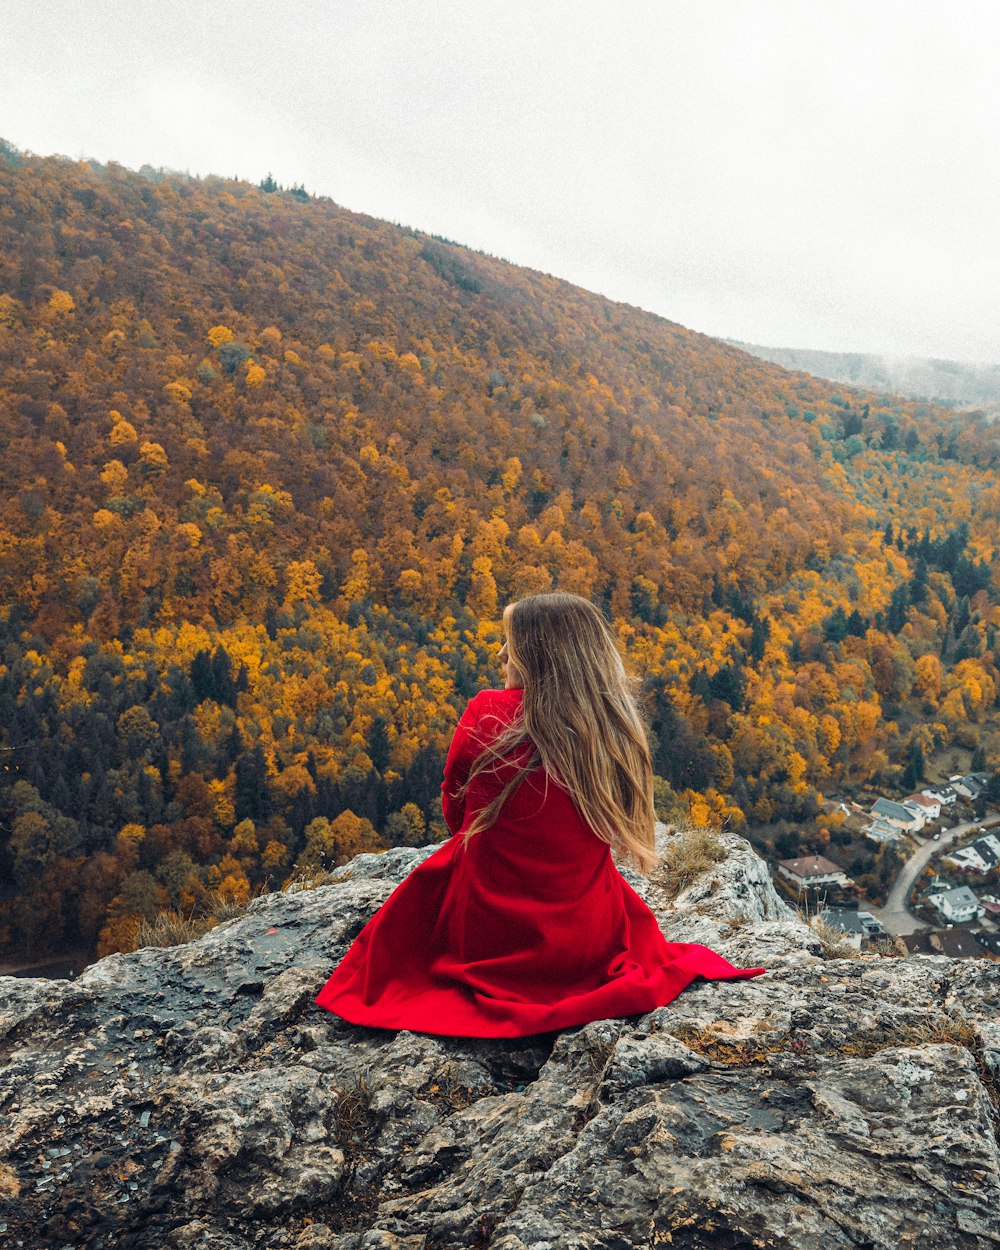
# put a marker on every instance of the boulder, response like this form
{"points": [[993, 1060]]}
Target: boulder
{"points": [[195, 1098]]}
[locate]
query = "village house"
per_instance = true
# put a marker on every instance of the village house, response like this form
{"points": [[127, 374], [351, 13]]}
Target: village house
{"points": [[812, 871], [966, 859], [918, 943], [955, 943], [857, 928], [991, 841], [990, 941], [945, 795], [960, 944], [924, 804], [991, 905], [958, 906], [900, 817], [979, 856], [971, 785]]}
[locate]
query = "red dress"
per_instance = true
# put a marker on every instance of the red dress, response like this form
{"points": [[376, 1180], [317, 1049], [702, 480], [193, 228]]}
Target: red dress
{"points": [[531, 928]]}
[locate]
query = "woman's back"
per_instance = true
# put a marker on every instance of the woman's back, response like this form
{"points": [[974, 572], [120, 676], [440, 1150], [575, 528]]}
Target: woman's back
{"points": [[521, 923], [538, 824], [537, 882]]}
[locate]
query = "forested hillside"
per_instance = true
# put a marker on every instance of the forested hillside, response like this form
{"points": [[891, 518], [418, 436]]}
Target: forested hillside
{"points": [[272, 469]]}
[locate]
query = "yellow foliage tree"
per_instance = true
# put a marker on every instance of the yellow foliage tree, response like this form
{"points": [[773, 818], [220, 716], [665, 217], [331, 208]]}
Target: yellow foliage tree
{"points": [[928, 677], [115, 477], [123, 433], [302, 582], [482, 598], [61, 303], [152, 457]]}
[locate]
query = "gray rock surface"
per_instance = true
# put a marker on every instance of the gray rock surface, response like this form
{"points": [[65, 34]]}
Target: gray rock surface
{"points": [[195, 1098]]}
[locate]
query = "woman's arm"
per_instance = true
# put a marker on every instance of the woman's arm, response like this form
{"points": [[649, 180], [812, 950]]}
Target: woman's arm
{"points": [[461, 754]]}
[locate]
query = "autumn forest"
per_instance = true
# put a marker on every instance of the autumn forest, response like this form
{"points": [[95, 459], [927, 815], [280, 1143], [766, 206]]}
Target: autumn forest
{"points": [[271, 470]]}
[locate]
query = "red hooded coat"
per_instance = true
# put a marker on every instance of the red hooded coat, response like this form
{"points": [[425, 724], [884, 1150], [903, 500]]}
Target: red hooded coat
{"points": [[528, 929]]}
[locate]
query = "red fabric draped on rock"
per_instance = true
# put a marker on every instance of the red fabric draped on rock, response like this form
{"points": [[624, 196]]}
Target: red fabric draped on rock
{"points": [[530, 928]]}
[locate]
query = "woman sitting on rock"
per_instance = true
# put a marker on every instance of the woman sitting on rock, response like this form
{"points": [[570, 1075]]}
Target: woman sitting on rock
{"points": [[521, 923]]}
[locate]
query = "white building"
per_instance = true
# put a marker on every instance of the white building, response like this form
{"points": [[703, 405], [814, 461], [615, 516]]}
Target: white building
{"points": [[811, 871], [928, 807], [971, 785], [968, 859], [958, 906], [990, 840], [946, 795]]}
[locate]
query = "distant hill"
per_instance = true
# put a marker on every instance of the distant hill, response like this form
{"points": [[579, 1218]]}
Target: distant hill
{"points": [[946, 381], [270, 471]]}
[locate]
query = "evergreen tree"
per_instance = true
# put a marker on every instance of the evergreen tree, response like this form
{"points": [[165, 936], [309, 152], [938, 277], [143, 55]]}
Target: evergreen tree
{"points": [[728, 685], [223, 683], [679, 755], [760, 631], [835, 625], [253, 799], [918, 582], [898, 604], [960, 616], [378, 744], [700, 685], [200, 675]]}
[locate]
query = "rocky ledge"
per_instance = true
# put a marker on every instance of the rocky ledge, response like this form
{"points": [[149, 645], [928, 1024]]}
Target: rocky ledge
{"points": [[195, 1098]]}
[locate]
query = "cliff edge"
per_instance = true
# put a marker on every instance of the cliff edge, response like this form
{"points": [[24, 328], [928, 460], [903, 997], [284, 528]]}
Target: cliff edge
{"points": [[194, 1098]]}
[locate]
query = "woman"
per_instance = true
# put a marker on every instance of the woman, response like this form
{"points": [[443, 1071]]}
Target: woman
{"points": [[521, 923]]}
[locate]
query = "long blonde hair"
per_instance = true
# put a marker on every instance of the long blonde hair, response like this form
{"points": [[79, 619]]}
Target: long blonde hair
{"points": [[580, 719]]}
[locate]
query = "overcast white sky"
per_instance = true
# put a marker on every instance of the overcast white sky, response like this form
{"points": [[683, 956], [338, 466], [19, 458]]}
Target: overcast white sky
{"points": [[797, 174]]}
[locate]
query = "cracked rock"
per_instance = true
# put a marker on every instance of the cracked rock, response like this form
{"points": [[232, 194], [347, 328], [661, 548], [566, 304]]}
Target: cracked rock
{"points": [[195, 1098]]}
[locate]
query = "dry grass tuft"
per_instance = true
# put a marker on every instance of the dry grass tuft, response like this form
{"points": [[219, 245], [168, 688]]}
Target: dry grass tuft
{"points": [[834, 943], [737, 1053], [695, 851], [452, 1095], [745, 1052], [311, 880], [353, 1124], [174, 928], [953, 1032]]}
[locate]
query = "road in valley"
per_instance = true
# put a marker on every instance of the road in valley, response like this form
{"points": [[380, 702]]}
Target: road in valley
{"points": [[896, 918]]}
